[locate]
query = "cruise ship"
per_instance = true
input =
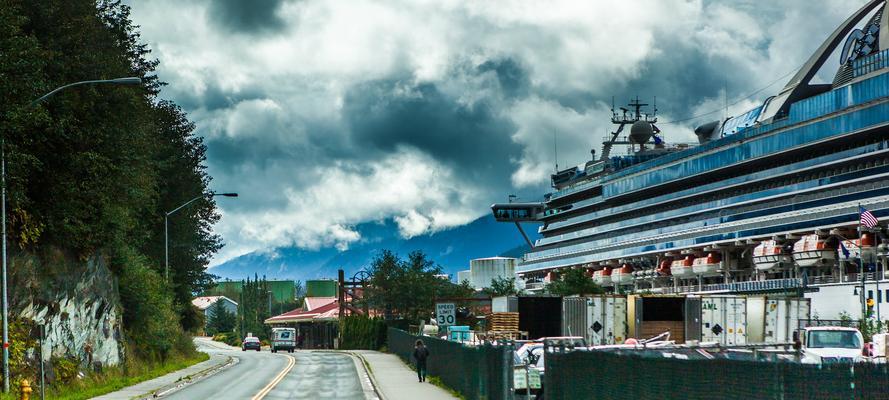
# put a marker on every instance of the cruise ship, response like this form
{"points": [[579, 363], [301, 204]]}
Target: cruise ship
{"points": [[767, 201]]}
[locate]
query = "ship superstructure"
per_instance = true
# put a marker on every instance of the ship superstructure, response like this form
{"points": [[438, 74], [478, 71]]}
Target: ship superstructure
{"points": [[761, 204]]}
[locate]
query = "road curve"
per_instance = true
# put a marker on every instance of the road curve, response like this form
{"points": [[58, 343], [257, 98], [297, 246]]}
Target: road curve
{"points": [[243, 380], [266, 376]]}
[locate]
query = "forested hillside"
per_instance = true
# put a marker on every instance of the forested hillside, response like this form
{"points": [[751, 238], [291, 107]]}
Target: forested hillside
{"points": [[92, 170]]}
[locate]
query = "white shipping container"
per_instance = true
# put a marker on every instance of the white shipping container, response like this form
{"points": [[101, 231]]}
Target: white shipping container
{"points": [[607, 320], [724, 319], [782, 318]]}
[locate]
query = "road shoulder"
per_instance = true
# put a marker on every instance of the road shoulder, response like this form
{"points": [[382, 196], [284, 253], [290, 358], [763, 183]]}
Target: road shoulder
{"points": [[394, 380], [173, 381]]}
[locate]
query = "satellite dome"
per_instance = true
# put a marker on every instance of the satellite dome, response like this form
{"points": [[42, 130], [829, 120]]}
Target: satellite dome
{"points": [[641, 132]]}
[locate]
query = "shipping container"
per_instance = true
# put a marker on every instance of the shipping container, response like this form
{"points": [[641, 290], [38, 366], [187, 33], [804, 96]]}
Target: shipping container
{"points": [[649, 316], [607, 320], [540, 316], [574, 317], [721, 319], [782, 318], [600, 320], [505, 304], [724, 319]]}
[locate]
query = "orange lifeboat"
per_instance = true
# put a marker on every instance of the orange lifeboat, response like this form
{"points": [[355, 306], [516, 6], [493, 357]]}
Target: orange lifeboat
{"points": [[812, 251], [710, 264], [768, 254], [663, 269], [603, 277], [623, 275], [683, 268], [858, 248], [551, 276]]}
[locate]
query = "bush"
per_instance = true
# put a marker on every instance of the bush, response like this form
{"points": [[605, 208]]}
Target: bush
{"points": [[229, 338], [21, 366], [151, 321], [362, 333]]}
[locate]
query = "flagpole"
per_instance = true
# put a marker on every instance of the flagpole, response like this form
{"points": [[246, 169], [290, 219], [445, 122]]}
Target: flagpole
{"points": [[861, 267]]}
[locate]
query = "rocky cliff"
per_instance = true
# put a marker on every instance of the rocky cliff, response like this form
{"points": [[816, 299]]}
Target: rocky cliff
{"points": [[78, 303]]}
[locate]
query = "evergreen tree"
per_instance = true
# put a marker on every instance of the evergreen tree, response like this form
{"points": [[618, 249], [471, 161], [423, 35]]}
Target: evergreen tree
{"points": [[220, 319]]}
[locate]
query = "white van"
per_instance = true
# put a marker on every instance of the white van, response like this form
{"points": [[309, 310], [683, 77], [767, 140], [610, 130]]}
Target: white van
{"points": [[283, 339]]}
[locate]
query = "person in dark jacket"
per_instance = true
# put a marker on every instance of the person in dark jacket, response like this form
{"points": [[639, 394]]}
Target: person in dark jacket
{"points": [[421, 353]]}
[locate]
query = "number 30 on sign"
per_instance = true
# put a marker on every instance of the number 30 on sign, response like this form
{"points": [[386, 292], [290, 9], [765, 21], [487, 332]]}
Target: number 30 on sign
{"points": [[444, 314]]}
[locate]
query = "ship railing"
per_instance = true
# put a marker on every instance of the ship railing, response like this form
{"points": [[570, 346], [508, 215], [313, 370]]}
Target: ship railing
{"points": [[856, 276]]}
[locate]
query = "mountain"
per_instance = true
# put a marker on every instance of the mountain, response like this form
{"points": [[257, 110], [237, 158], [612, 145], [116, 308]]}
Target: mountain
{"points": [[452, 249]]}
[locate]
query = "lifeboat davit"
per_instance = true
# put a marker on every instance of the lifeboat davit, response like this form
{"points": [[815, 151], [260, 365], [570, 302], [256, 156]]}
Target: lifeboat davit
{"points": [[603, 277], [711, 264], [663, 269], [623, 275], [858, 248], [683, 268], [768, 255], [812, 251]]}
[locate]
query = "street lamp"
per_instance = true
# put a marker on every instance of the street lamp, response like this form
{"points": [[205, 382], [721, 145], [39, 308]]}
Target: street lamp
{"points": [[133, 80], [167, 229]]}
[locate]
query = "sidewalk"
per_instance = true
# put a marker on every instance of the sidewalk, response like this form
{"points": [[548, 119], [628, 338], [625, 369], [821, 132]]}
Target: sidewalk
{"points": [[166, 381], [397, 381]]}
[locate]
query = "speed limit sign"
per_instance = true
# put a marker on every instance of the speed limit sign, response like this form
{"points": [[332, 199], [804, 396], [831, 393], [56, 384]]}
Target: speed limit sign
{"points": [[444, 314]]}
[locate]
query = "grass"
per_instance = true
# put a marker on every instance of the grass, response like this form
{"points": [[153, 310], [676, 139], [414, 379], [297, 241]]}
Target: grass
{"points": [[434, 380], [437, 382], [113, 379]]}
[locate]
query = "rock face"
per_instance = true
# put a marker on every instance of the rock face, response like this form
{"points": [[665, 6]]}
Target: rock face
{"points": [[81, 312]]}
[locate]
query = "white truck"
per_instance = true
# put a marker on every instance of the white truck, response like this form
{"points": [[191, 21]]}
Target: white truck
{"points": [[830, 344], [283, 339]]}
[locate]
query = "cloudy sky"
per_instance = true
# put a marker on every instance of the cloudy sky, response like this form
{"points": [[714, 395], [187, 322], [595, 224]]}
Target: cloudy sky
{"points": [[327, 114]]}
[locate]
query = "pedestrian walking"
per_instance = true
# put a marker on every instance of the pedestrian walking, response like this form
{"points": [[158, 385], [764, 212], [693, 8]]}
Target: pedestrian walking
{"points": [[421, 353]]}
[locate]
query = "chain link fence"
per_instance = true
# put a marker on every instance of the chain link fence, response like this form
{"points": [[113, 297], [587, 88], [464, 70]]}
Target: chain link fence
{"points": [[478, 372], [607, 375]]}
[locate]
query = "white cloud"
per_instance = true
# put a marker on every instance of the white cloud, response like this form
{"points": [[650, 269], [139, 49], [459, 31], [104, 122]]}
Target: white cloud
{"points": [[271, 105]]}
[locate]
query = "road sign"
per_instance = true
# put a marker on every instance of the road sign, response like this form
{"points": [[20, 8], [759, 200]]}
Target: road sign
{"points": [[445, 314]]}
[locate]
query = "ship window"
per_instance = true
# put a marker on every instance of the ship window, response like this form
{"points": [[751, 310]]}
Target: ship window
{"points": [[887, 295], [879, 296], [870, 294]]}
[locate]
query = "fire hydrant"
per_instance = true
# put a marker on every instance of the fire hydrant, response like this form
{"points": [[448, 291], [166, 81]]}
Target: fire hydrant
{"points": [[26, 389]]}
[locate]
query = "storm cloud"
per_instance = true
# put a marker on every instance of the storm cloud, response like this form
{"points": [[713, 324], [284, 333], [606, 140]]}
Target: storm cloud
{"points": [[325, 115], [252, 16]]}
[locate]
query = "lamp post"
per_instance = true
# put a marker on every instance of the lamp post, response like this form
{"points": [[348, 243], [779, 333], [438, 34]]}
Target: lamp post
{"points": [[167, 227], [133, 80]]}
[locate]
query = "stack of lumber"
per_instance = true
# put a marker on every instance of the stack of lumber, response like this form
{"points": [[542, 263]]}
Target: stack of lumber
{"points": [[503, 321]]}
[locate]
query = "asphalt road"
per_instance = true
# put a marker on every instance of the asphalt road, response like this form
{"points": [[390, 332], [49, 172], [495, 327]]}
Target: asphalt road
{"points": [[263, 375]]}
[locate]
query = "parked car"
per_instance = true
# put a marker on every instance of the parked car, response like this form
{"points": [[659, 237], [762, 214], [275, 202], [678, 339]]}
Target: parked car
{"points": [[250, 343], [283, 339]]}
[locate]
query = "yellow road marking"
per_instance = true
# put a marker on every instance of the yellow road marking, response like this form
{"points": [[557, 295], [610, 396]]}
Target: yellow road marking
{"points": [[268, 388]]}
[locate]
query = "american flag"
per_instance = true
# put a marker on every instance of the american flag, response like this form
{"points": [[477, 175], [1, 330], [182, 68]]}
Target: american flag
{"points": [[867, 218]]}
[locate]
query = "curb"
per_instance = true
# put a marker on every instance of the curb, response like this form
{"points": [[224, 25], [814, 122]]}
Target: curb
{"points": [[188, 380], [373, 379]]}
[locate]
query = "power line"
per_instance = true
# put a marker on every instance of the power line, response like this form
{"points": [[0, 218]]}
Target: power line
{"points": [[754, 93]]}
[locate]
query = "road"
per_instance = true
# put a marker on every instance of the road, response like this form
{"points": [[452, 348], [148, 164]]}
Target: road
{"points": [[264, 375]]}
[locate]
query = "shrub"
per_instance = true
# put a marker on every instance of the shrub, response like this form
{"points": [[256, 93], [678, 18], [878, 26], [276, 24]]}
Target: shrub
{"points": [[361, 332], [150, 318]]}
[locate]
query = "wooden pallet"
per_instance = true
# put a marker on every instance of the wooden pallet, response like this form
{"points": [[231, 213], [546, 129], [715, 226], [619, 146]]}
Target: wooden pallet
{"points": [[504, 321], [491, 336]]}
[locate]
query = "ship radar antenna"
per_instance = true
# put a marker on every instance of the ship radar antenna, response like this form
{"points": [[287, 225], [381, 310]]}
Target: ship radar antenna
{"points": [[556, 151]]}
